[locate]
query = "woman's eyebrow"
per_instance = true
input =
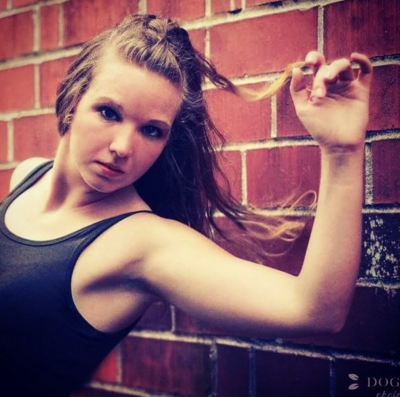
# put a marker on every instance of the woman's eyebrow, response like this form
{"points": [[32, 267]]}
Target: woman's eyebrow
{"points": [[105, 99], [110, 101]]}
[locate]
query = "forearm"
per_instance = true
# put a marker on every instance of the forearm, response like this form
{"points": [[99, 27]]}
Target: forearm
{"points": [[331, 264]]}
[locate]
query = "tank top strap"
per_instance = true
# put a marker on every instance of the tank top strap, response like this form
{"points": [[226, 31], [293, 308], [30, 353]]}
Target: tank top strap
{"points": [[91, 232], [31, 178], [25, 184]]}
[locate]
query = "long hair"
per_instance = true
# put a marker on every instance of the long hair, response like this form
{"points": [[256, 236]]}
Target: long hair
{"points": [[181, 184]]}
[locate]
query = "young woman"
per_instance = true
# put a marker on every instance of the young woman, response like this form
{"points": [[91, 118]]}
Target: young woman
{"points": [[120, 218]]}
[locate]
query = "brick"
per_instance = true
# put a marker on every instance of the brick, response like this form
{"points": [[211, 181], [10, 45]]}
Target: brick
{"points": [[380, 258], [19, 3], [35, 136], [51, 74], [374, 379], [263, 44], [233, 371], [3, 4], [291, 375], [237, 119], [49, 18], [231, 167], [280, 175], [386, 171], [87, 392], [18, 29], [17, 88], [157, 316], [371, 28], [170, 367], [384, 101], [83, 19], [198, 37], [218, 6], [5, 176], [372, 325], [3, 142], [108, 369], [176, 9], [288, 124]]}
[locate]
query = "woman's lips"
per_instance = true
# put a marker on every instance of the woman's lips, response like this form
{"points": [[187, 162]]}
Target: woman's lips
{"points": [[109, 170]]}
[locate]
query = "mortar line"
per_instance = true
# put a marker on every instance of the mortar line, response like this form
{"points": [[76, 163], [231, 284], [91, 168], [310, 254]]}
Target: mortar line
{"points": [[142, 7], [207, 44], [243, 156], [36, 86], [173, 318], [368, 283], [128, 391], [61, 28], [29, 7], [389, 210], [214, 369], [36, 59], [332, 379], [25, 113], [252, 372], [10, 141], [255, 12], [8, 166], [320, 31], [369, 180], [274, 117], [119, 363], [207, 10], [36, 29]]}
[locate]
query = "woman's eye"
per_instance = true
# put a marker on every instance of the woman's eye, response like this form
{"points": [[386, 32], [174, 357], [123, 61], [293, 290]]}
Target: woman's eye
{"points": [[152, 132], [109, 114]]}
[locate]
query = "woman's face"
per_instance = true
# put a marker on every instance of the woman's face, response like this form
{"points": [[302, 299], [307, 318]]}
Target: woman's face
{"points": [[121, 124]]}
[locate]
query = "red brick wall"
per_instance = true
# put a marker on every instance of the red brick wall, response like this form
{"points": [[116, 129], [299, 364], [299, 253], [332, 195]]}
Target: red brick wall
{"points": [[270, 155]]}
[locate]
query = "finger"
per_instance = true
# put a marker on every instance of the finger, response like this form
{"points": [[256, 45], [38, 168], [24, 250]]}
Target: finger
{"points": [[297, 82], [298, 86], [315, 60], [329, 74], [365, 66], [341, 69]]}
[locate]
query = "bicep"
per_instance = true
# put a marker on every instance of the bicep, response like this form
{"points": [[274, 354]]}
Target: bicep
{"points": [[202, 279]]}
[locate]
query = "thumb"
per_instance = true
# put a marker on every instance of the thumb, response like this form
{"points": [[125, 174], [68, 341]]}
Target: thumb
{"points": [[298, 85]]}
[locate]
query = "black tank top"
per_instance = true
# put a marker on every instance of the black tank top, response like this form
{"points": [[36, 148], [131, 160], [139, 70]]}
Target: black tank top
{"points": [[46, 347]]}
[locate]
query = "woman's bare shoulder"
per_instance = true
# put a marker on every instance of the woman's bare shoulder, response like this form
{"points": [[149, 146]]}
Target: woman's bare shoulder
{"points": [[24, 168]]}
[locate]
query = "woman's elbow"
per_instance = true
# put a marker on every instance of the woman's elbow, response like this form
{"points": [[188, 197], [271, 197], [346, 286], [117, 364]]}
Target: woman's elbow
{"points": [[326, 322]]}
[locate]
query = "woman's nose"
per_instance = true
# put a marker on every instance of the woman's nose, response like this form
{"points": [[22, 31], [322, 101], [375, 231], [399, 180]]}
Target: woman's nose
{"points": [[122, 143]]}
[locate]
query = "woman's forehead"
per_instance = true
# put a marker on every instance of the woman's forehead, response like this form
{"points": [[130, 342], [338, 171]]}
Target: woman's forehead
{"points": [[134, 86]]}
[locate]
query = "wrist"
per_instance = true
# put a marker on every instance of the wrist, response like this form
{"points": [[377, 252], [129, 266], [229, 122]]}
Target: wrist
{"points": [[343, 165], [339, 151]]}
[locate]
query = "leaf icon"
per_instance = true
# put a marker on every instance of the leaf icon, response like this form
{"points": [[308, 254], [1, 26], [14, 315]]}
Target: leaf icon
{"points": [[353, 386], [353, 376]]}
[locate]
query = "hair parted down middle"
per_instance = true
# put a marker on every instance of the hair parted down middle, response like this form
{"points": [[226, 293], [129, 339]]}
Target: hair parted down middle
{"points": [[181, 185]]}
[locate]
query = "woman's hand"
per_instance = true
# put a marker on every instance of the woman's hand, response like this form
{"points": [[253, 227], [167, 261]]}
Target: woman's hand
{"points": [[335, 109]]}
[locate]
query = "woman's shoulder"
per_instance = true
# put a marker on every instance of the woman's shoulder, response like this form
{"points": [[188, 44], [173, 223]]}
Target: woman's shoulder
{"points": [[24, 168]]}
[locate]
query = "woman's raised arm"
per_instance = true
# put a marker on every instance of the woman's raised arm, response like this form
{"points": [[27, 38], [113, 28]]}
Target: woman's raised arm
{"points": [[184, 268]]}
